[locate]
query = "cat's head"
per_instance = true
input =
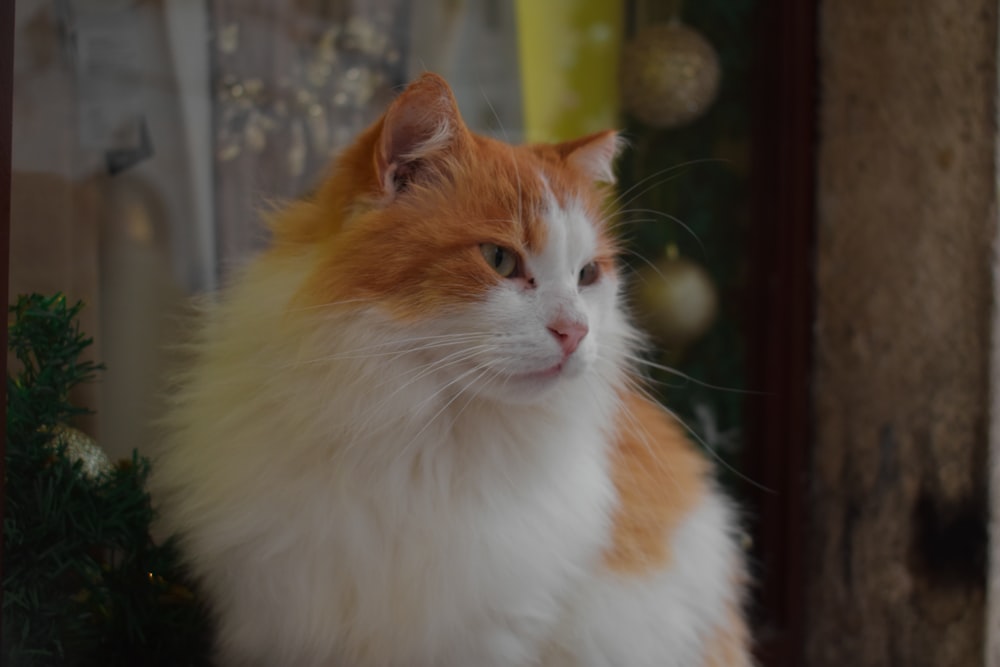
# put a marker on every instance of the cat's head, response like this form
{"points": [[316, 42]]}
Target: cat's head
{"points": [[493, 260]]}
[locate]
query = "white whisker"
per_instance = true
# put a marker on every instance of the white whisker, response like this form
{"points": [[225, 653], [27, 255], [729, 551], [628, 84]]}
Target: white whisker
{"points": [[482, 368], [399, 344], [714, 454], [645, 182], [461, 356], [688, 378], [672, 218]]}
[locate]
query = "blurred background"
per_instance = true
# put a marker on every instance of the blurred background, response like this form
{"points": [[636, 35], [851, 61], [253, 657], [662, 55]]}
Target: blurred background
{"points": [[808, 202]]}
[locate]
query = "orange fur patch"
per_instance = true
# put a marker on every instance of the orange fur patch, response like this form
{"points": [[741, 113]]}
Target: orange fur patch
{"points": [[418, 253], [658, 476], [730, 645]]}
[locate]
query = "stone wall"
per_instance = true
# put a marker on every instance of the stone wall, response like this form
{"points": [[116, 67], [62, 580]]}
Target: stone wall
{"points": [[896, 564]]}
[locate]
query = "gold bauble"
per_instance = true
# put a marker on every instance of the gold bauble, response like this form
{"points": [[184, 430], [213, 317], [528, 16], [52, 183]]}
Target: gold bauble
{"points": [[670, 75], [81, 447], [677, 299]]}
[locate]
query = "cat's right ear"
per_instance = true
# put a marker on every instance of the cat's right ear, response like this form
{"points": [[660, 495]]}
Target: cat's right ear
{"points": [[421, 126]]}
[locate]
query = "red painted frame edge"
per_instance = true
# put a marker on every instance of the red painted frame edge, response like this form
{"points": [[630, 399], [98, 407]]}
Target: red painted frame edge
{"points": [[780, 322]]}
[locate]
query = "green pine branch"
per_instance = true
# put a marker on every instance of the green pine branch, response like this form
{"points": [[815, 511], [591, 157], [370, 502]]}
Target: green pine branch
{"points": [[84, 583]]}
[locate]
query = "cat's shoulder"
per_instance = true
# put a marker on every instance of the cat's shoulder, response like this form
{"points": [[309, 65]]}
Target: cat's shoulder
{"points": [[659, 479]]}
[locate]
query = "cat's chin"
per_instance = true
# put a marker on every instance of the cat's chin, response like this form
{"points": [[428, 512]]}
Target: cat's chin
{"points": [[529, 387], [545, 374]]}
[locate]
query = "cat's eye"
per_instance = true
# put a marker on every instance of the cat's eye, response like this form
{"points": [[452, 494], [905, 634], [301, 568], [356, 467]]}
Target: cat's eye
{"points": [[589, 274], [503, 260]]}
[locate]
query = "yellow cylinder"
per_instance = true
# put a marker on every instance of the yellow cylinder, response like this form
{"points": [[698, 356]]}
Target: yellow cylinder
{"points": [[569, 51]]}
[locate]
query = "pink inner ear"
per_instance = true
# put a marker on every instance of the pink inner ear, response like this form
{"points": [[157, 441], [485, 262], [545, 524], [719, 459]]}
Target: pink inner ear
{"points": [[421, 123], [595, 155]]}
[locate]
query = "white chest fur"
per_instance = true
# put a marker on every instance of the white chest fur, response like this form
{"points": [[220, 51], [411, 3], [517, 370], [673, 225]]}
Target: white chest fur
{"points": [[345, 528], [420, 571], [479, 578]]}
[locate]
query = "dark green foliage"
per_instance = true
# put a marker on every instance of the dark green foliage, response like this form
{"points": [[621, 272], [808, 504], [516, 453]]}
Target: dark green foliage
{"points": [[84, 584], [689, 186]]}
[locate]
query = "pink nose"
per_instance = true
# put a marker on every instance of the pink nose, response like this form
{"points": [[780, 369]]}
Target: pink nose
{"points": [[568, 333]]}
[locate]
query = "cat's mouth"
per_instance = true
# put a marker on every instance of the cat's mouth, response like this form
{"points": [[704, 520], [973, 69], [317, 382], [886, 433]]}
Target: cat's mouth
{"points": [[544, 374]]}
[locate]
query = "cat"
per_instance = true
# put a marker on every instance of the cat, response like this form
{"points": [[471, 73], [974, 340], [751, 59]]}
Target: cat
{"points": [[412, 435]]}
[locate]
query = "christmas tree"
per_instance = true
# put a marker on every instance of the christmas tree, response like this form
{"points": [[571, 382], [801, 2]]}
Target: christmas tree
{"points": [[684, 209], [84, 583]]}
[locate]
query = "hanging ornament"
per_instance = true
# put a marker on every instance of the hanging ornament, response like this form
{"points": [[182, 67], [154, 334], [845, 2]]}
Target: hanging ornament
{"points": [[670, 75], [678, 300], [81, 447]]}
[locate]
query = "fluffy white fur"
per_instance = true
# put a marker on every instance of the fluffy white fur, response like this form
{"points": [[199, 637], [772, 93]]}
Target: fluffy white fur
{"points": [[356, 491]]}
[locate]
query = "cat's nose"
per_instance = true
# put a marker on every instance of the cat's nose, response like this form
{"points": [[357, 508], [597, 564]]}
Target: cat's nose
{"points": [[568, 333]]}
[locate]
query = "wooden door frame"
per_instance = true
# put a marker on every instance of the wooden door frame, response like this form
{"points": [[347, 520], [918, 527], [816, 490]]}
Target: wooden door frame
{"points": [[782, 295]]}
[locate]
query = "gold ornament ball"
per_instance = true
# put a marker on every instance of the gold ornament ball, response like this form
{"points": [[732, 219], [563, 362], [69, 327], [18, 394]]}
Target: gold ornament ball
{"points": [[81, 447], [670, 75], [679, 302]]}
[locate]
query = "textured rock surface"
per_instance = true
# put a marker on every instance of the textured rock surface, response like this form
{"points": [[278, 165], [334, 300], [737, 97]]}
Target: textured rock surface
{"points": [[896, 565]]}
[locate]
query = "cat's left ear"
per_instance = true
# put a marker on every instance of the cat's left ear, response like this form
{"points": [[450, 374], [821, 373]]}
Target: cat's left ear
{"points": [[594, 154], [420, 127]]}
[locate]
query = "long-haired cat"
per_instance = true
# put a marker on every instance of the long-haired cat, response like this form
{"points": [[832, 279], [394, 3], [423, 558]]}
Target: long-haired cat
{"points": [[412, 437]]}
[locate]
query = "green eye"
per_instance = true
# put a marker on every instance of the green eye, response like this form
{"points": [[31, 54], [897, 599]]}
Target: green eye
{"points": [[589, 274], [503, 260]]}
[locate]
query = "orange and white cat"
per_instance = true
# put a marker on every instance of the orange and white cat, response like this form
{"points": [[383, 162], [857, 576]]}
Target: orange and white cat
{"points": [[411, 436]]}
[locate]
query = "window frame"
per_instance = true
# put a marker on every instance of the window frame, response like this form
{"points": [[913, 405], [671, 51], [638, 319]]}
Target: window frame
{"points": [[781, 304]]}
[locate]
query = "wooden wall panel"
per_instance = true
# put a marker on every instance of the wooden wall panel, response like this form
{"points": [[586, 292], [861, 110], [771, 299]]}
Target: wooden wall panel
{"points": [[907, 220]]}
